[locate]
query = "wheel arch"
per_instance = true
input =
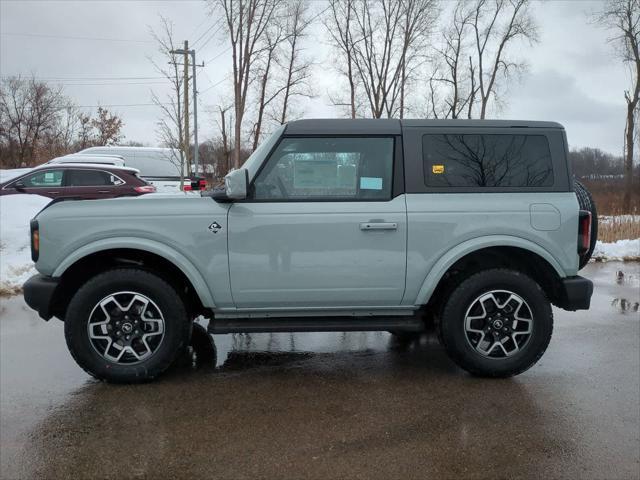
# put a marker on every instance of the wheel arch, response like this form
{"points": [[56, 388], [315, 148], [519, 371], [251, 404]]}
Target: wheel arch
{"points": [[491, 252], [142, 253]]}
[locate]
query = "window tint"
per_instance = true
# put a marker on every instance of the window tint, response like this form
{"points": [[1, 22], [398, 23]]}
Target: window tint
{"points": [[50, 178], [461, 160], [88, 178], [328, 168]]}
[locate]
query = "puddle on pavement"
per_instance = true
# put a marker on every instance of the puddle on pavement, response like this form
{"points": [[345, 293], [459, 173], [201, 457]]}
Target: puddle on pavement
{"points": [[622, 305]]}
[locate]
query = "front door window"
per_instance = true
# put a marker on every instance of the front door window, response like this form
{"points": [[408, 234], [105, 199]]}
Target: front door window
{"points": [[336, 169]]}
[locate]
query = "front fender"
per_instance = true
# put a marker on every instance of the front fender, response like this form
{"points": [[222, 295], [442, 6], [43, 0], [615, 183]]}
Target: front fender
{"points": [[151, 246], [457, 252]]}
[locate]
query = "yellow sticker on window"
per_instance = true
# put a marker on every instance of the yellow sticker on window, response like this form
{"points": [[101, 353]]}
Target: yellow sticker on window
{"points": [[437, 169]]}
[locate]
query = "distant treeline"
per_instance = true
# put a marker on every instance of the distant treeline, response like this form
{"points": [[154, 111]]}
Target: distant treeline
{"points": [[595, 164]]}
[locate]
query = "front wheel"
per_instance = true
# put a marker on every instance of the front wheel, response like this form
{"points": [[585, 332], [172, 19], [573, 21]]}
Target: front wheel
{"points": [[496, 323], [126, 326]]}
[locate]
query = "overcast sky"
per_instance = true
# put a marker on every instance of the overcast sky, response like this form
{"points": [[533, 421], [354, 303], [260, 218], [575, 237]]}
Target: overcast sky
{"points": [[99, 50]]}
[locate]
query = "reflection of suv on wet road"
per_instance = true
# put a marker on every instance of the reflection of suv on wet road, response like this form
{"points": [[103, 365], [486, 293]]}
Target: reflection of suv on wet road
{"points": [[332, 225]]}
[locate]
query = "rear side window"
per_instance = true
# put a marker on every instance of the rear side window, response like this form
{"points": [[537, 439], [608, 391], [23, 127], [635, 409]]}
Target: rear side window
{"points": [[486, 160], [328, 168], [89, 178]]}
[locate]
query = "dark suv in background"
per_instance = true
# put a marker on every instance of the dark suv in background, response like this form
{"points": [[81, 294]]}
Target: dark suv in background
{"points": [[82, 181]]}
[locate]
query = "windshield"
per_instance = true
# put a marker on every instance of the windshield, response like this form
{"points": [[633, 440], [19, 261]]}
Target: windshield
{"points": [[255, 159]]}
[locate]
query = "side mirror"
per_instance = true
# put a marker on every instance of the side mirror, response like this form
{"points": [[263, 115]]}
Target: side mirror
{"points": [[19, 186], [237, 184]]}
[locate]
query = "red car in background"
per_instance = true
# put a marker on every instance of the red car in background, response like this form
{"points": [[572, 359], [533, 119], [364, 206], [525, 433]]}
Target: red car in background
{"points": [[79, 181]]}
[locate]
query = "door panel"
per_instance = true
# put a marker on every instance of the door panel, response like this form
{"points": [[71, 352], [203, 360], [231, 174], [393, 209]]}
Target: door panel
{"points": [[287, 254]]}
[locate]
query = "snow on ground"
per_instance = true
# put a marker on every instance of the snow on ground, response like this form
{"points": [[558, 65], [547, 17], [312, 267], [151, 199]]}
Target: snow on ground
{"points": [[13, 173], [620, 250], [15, 245]]}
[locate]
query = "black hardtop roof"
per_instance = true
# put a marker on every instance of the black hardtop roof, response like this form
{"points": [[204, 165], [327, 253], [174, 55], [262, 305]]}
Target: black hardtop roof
{"points": [[391, 126]]}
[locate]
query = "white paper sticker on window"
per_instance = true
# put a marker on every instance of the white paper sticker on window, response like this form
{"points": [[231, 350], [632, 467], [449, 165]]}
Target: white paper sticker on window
{"points": [[370, 183]]}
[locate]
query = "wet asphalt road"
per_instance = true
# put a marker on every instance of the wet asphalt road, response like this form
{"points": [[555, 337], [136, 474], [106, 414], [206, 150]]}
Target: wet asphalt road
{"points": [[355, 405]]}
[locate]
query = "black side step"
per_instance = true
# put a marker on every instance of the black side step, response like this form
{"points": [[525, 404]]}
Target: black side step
{"points": [[314, 324]]}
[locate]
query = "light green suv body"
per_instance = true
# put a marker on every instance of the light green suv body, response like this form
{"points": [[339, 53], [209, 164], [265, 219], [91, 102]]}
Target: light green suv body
{"points": [[359, 230]]}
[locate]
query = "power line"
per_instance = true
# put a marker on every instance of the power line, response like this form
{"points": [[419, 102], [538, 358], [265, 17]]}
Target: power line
{"points": [[97, 78], [215, 24], [211, 37], [123, 105], [68, 37], [213, 85], [218, 55], [108, 84], [198, 27]]}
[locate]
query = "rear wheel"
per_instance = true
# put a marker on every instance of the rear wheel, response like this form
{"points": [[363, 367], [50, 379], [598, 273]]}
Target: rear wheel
{"points": [[496, 323], [126, 325]]}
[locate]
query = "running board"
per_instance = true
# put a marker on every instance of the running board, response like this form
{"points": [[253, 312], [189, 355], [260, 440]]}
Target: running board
{"points": [[314, 324]]}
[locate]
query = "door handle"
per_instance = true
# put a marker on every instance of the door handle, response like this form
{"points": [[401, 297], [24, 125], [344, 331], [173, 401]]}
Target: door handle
{"points": [[53, 193], [378, 226], [103, 191]]}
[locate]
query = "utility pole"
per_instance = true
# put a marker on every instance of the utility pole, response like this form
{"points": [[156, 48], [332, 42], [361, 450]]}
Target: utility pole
{"points": [[185, 84], [186, 52], [195, 112]]}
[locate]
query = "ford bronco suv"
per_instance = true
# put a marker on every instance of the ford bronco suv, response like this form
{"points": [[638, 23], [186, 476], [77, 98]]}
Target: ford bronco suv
{"points": [[332, 225]]}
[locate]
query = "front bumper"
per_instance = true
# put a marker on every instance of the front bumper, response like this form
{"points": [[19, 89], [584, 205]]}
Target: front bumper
{"points": [[575, 293], [38, 294]]}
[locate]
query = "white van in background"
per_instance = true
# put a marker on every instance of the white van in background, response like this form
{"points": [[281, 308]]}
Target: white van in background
{"points": [[158, 166], [115, 160]]}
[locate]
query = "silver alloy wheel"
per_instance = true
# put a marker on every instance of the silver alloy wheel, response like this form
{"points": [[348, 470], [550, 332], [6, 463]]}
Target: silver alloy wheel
{"points": [[498, 324], [126, 327]]}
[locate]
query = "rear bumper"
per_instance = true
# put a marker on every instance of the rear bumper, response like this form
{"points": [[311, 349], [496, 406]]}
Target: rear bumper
{"points": [[38, 294], [575, 293]]}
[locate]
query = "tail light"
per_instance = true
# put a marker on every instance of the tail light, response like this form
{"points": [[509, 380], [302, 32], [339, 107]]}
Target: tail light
{"points": [[584, 231], [35, 240], [145, 189]]}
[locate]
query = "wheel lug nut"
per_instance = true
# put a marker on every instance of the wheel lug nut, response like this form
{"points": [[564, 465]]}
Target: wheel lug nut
{"points": [[127, 337], [118, 333]]}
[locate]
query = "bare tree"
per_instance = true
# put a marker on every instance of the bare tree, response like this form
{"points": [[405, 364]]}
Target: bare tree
{"points": [[62, 138], [170, 126], [29, 109], [223, 125], [474, 58], [273, 37], [383, 41], [623, 17], [339, 25], [108, 127], [496, 24], [246, 26], [451, 70], [297, 68]]}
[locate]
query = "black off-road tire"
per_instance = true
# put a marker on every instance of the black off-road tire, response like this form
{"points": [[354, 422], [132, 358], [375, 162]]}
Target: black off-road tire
{"points": [[452, 331], [176, 325], [585, 200]]}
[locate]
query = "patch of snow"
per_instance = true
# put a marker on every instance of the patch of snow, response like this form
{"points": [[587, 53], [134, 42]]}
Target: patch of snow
{"points": [[12, 173], [620, 250], [15, 245]]}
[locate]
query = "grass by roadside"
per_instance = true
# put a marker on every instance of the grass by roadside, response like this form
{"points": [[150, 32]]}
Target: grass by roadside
{"points": [[613, 228]]}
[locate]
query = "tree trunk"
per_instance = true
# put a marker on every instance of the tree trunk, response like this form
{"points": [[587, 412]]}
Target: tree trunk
{"points": [[628, 160]]}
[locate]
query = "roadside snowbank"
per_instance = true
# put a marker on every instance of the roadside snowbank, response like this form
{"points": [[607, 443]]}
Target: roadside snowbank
{"points": [[15, 245], [620, 250], [12, 173]]}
